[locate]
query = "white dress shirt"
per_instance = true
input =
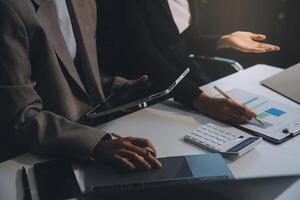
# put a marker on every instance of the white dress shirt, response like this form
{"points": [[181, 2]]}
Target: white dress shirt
{"points": [[181, 13], [66, 26]]}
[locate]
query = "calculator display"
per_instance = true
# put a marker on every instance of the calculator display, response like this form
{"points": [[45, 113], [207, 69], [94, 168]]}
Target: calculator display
{"points": [[242, 145]]}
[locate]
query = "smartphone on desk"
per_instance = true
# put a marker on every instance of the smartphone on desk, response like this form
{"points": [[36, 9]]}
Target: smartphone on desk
{"points": [[56, 180]]}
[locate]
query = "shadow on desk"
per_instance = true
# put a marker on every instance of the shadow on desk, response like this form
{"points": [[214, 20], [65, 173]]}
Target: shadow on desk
{"points": [[8, 152], [180, 108]]}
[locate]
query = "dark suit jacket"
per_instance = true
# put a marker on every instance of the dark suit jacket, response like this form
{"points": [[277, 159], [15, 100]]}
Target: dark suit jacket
{"points": [[151, 44], [43, 99]]}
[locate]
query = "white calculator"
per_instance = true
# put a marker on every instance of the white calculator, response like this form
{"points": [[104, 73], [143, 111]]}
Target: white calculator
{"points": [[230, 143]]}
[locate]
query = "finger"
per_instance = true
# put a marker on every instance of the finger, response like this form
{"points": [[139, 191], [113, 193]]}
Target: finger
{"points": [[256, 47], [258, 37], [239, 115], [252, 47], [231, 119], [154, 161], [269, 47], [236, 119], [235, 106], [134, 157], [136, 149], [243, 110], [141, 79], [142, 142], [125, 162], [254, 50], [248, 114]]}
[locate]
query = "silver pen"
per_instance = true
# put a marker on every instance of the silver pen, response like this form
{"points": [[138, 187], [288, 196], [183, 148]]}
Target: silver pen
{"points": [[229, 97]]}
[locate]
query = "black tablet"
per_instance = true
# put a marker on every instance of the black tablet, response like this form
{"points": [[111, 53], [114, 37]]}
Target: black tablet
{"points": [[123, 100]]}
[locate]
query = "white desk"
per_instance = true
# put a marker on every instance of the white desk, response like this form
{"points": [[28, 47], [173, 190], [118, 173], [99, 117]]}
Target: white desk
{"points": [[166, 124]]}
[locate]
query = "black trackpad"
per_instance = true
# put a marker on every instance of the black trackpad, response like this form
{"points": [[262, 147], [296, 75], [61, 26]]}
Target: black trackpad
{"points": [[97, 174]]}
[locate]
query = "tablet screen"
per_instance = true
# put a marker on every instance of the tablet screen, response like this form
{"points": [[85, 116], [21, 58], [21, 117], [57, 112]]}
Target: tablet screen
{"points": [[124, 97]]}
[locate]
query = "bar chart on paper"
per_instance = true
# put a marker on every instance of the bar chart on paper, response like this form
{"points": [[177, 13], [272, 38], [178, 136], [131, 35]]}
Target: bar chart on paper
{"points": [[276, 116], [265, 112]]}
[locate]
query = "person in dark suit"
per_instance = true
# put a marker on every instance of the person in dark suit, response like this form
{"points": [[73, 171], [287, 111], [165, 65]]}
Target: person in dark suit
{"points": [[157, 37], [49, 79]]}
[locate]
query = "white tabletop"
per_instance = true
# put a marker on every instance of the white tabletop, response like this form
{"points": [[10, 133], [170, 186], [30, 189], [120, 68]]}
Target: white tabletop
{"points": [[166, 124]]}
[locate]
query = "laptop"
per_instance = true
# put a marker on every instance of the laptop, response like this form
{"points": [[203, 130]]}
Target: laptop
{"points": [[246, 189], [286, 83], [114, 103], [56, 179], [208, 167]]}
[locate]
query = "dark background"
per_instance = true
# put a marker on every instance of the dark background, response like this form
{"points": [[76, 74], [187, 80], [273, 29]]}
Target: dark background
{"points": [[278, 19]]}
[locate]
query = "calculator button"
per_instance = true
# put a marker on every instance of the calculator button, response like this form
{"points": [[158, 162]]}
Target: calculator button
{"points": [[214, 137]]}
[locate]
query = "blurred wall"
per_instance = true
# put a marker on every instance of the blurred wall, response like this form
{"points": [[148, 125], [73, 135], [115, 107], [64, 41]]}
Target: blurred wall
{"points": [[278, 19]]}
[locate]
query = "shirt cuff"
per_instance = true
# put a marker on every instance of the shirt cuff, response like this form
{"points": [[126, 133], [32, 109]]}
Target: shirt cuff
{"points": [[187, 93], [94, 149]]}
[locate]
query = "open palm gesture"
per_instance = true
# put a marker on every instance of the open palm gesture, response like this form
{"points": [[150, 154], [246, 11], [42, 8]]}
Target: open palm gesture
{"points": [[247, 42]]}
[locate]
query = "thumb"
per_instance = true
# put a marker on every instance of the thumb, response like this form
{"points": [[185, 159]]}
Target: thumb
{"points": [[137, 81], [258, 37]]}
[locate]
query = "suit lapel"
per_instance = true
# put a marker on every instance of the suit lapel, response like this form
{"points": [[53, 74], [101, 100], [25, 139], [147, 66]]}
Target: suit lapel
{"points": [[45, 11], [167, 11], [196, 9], [84, 26], [166, 7]]}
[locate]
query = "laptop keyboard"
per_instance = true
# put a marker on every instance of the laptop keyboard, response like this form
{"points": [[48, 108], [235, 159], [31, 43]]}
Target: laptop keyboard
{"points": [[155, 184]]}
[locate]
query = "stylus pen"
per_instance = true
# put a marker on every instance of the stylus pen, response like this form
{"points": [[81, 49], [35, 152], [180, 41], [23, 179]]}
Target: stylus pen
{"points": [[229, 97], [110, 96], [113, 94], [148, 149], [26, 187]]}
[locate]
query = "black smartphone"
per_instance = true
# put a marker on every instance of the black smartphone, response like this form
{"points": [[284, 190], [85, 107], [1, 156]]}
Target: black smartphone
{"points": [[56, 180]]}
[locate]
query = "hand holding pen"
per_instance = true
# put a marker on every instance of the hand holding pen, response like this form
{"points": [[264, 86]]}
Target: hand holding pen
{"points": [[230, 98], [223, 109]]}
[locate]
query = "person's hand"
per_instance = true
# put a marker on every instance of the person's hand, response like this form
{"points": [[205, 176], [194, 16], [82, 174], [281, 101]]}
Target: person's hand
{"points": [[246, 42], [142, 79], [127, 152], [134, 89], [223, 109]]}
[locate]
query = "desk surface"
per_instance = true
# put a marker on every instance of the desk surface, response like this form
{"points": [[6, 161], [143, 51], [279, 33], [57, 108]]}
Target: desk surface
{"points": [[167, 123]]}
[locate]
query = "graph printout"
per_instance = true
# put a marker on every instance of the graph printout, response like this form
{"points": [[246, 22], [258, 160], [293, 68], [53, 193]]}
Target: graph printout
{"points": [[276, 116]]}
